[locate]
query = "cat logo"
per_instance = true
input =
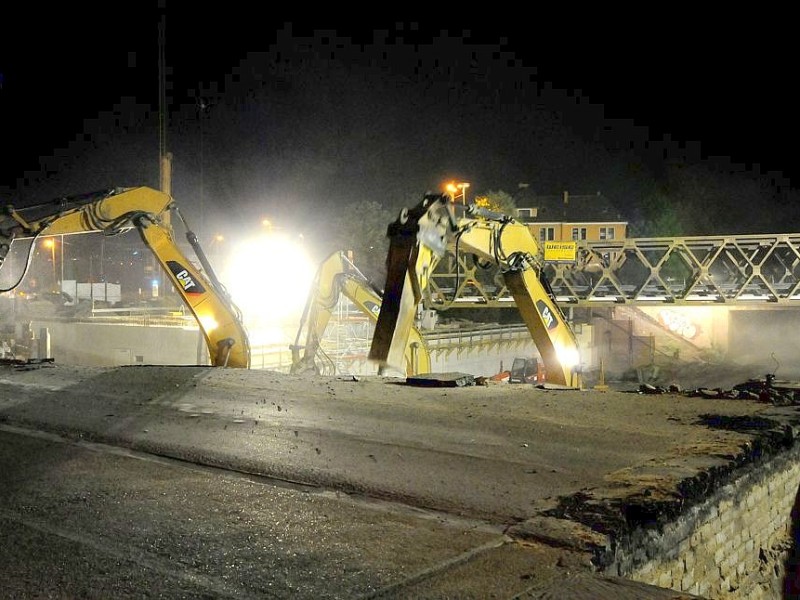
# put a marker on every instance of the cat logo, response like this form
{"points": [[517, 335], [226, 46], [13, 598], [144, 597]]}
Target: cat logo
{"points": [[375, 309], [188, 284], [548, 317]]}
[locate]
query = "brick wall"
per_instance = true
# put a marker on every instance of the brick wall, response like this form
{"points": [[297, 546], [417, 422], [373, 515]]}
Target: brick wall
{"points": [[734, 545]]}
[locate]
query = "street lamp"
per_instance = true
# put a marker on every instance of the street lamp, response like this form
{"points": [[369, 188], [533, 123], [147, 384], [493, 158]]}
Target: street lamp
{"points": [[216, 245], [455, 188], [51, 244]]}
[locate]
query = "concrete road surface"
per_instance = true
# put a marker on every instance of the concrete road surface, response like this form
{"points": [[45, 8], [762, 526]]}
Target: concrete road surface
{"points": [[194, 482]]}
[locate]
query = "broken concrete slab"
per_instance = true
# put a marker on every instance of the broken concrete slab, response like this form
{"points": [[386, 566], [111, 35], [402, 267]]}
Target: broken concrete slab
{"points": [[453, 379]]}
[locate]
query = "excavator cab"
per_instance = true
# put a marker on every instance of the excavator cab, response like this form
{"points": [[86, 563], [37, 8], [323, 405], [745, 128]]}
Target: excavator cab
{"points": [[526, 370]]}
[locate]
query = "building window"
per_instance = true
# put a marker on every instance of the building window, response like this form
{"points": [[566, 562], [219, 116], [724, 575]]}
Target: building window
{"points": [[606, 233], [547, 234], [579, 233], [524, 213]]}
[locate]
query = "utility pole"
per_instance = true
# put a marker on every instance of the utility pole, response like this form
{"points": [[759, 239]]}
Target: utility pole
{"points": [[164, 157], [202, 107], [162, 106], [62, 262]]}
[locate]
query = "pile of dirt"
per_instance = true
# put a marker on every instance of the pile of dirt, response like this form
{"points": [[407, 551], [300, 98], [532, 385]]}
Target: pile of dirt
{"points": [[700, 375]]}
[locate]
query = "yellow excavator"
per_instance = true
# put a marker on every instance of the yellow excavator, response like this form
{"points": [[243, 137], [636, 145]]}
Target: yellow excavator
{"points": [[421, 236], [336, 276], [148, 211]]}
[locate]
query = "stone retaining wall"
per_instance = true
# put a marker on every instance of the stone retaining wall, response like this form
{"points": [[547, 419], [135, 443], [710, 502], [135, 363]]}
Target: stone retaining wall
{"points": [[736, 544]]}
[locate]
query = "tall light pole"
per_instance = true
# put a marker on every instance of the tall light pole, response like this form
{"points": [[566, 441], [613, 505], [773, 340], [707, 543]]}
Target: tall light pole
{"points": [[51, 244], [62, 262], [463, 187], [162, 104], [216, 247], [455, 188], [202, 174], [202, 108]]}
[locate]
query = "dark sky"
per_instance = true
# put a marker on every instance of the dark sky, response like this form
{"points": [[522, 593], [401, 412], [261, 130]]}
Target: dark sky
{"points": [[300, 113]]}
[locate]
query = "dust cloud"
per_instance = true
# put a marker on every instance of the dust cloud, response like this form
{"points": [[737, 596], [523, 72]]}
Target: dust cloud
{"points": [[765, 341]]}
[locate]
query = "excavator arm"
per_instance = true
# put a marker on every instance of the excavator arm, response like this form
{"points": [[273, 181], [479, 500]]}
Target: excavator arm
{"points": [[422, 235], [337, 276], [148, 211]]}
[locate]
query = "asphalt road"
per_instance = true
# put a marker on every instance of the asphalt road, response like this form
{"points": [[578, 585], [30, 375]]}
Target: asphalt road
{"points": [[81, 520], [193, 482]]}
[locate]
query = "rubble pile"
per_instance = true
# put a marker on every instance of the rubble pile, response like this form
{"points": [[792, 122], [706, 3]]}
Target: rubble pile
{"points": [[767, 389]]}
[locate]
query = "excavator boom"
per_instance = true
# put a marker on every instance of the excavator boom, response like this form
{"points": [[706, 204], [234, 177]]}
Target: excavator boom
{"points": [[148, 211], [421, 236], [337, 276]]}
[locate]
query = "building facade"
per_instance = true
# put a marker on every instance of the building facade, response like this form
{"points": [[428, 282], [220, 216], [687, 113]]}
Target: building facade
{"points": [[569, 217]]}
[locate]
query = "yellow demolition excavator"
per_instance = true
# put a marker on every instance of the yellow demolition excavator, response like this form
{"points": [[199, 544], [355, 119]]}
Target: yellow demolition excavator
{"points": [[337, 276], [422, 235], [148, 211]]}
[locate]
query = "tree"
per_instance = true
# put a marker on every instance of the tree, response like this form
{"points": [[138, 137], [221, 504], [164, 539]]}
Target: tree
{"points": [[497, 201], [361, 227], [719, 200], [659, 216]]}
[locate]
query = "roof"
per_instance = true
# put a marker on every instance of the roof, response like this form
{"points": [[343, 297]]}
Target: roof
{"points": [[572, 208]]}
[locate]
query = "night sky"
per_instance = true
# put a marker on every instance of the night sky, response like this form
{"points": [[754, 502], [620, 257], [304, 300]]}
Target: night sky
{"points": [[271, 115]]}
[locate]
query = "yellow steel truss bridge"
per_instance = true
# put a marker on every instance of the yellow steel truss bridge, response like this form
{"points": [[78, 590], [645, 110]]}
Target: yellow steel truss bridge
{"points": [[725, 269]]}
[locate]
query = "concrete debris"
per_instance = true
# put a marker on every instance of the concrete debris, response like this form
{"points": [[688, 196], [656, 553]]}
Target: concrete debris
{"points": [[25, 364], [554, 386], [768, 390], [441, 380]]}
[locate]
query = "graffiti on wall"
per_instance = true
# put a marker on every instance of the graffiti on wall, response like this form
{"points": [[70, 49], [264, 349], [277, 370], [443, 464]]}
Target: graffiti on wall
{"points": [[679, 323]]}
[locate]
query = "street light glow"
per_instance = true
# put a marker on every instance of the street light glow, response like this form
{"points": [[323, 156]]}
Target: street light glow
{"points": [[50, 243], [269, 277], [454, 188]]}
